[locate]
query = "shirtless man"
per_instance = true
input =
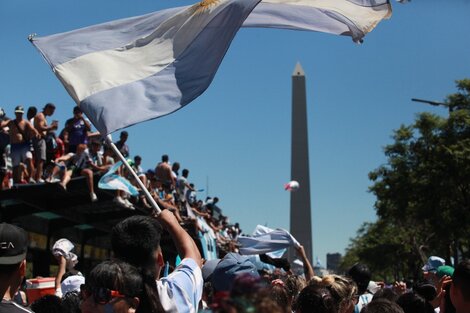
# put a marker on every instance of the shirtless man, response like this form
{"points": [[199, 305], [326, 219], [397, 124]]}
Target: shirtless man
{"points": [[20, 133], [41, 126], [164, 174]]}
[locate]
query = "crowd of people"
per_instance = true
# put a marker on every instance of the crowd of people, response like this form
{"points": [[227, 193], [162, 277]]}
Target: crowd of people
{"points": [[137, 279]]}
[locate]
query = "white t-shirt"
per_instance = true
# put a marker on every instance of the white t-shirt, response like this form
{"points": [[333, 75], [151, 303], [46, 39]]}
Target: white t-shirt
{"points": [[181, 291]]}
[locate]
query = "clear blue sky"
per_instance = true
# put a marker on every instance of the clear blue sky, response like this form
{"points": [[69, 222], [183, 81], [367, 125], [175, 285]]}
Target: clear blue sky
{"points": [[238, 132]]}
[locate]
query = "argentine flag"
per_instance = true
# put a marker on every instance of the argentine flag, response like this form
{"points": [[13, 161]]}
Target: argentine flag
{"points": [[132, 70], [113, 181], [127, 71]]}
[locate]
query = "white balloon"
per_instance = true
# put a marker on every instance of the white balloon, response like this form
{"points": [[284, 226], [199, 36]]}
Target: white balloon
{"points": [[292, 186]]}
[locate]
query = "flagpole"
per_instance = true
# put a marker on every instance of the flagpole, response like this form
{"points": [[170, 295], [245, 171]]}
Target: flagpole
{"points": [[154, 204]]}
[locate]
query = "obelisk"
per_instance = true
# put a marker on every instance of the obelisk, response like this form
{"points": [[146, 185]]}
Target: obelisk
{"points": [[300, 211]]}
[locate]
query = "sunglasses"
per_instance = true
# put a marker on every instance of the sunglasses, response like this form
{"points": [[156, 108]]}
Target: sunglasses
{"points": [[101, 295]]}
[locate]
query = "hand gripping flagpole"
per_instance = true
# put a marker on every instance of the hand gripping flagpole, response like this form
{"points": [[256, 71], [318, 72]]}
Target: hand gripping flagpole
{"points": [[154, 204]]}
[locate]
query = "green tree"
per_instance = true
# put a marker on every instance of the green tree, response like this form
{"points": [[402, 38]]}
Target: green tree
{"points": [[423, 194]]}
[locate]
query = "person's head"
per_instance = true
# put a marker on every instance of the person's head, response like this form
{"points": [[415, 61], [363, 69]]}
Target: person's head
{"points": [[165, 158], [385, 293], [48, 109], [185, 173], [175, 167], [361, 275], [95, 145], [77, 112], [13, 250], [123, 136], [222, 273], [430, 268], [47, 304], [425, 290], [137, 160], [32, 111], [412, 302], [382, 306], [136, 240], [460, 289], [315, 298], [294, 284], [71, 302], [343, 290], [279, 294], [215, 200], [19, 111], [112, 286]]}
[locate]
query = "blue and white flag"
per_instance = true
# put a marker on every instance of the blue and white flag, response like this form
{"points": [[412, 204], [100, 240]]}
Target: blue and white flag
{"points": [[265, 242], [132, 70], [353, 18], [113, 181], [127, 71]]}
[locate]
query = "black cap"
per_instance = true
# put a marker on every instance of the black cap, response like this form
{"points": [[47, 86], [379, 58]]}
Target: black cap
{"points": [[13, 244], [19, 109]]}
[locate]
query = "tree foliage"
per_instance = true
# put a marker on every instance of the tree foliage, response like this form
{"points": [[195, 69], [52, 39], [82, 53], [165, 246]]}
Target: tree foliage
{"points": [[423, 194]]}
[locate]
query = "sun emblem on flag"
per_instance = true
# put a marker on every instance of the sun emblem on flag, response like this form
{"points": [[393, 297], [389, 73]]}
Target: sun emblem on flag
{"points": [[206, 4]]}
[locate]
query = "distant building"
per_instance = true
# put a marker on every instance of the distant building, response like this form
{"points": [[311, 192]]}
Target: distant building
{"points": [[333, 261]]}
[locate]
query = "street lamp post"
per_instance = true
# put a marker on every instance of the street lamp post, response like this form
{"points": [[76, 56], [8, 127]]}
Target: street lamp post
{"points": [[434, 103]]}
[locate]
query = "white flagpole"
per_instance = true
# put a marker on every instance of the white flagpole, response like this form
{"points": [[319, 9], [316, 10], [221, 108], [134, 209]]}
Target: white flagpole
{"points": [[154, 204]]}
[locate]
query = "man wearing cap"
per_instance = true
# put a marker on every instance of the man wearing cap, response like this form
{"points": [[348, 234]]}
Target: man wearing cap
{"points": [[21, 131], [40, 123], [13, 249], [221, 273], [430, 269]]}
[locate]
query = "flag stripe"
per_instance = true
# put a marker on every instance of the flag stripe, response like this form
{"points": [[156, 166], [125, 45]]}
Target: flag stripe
{"points": [[336, 17], [63, 47], [146, 56], [161, 94]]}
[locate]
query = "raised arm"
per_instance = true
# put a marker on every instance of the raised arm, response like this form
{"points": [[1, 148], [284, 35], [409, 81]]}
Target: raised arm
{"points": [[308, 269], [185, 245], [60, 273]]}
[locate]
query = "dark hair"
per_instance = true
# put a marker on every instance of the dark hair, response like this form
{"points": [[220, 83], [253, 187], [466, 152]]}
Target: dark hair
{"points": [[382, 306], [32, 111], [71, 302], [124, 133], [77, 109], [47, 304], [165, 158], [385, 293], [49, 105], [135, 240], [361, 275], [461, 278], [185, 172], [314, 299], [137, 157], [116, 275], [411, 302], [425, 290]]}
